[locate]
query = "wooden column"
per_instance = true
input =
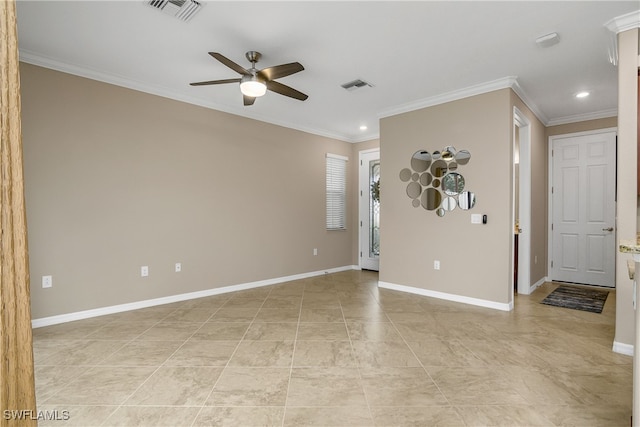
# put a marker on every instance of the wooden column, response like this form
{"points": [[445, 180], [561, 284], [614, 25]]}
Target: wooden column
{"points": [[17, 390]]}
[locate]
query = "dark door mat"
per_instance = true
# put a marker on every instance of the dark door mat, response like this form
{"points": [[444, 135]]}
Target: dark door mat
{"points": [[585, 299]]}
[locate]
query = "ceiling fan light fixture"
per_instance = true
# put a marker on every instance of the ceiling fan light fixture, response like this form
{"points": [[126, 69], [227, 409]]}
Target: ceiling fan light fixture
{"points": [[253, 86]]}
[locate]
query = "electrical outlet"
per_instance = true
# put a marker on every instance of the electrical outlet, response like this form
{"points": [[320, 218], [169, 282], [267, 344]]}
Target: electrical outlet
{"points": [[144, 271], [178, 267], [47, 281], [436, 265], [315, 251]]}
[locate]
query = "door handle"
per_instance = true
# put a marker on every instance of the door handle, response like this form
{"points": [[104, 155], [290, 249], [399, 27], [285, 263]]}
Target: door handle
{"points": [[608, 229]]}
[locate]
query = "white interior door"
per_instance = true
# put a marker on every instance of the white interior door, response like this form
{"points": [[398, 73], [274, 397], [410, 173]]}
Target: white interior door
{"points": [[583, 209], [369, 208]]}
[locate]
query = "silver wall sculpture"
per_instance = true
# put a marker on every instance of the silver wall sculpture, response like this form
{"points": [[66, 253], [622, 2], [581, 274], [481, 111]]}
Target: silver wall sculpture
{"points": [[435, 183]]}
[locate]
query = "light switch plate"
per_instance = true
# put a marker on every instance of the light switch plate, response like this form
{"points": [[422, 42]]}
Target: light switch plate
{"points": [[476, 219]]}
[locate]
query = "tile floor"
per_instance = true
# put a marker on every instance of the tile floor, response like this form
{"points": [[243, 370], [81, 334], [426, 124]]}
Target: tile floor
{"points": [[335, 351]]}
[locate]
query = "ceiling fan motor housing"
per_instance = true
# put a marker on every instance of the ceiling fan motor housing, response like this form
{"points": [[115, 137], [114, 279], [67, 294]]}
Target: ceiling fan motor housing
{"points": [[253, 56]]}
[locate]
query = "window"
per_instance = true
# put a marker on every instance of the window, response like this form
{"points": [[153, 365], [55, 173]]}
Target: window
{"points": [[336, 192]]}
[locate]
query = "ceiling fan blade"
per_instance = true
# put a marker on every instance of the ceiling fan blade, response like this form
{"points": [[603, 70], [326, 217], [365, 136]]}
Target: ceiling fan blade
{"points": [[229, 63], [215, 82], [248, 100], [279, 71], [285, 90]]}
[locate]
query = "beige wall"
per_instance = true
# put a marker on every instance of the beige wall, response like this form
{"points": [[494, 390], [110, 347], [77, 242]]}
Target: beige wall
{"points": [[117, 179], [626, 177], [475, 259]]}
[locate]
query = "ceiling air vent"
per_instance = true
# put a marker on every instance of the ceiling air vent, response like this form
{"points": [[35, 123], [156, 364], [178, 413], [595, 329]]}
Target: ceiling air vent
{"points": [[356, 84], [181, 9]]}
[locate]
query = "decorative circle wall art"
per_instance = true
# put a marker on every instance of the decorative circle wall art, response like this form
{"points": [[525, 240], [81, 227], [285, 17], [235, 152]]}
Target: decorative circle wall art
{"points": [[435, 183]]}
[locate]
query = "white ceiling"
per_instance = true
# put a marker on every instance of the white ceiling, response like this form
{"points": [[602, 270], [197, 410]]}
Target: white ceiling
{"points": [[414, 53]]}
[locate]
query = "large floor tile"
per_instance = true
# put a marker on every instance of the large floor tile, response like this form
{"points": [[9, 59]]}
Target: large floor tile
{"points": [[323, 353], [258, 416], [272, 331], [195, 352], [250, 387], [336, 350], [175, 330], [325, 387], [322, 331], [351, 416], [142, 353], [477, 386], [372, 354], [176, 385], [263, 354], [507, 416], [221, 331], [102, 386], [152, 416], [444, 352], [416, 416], [401, 387], [84, 352]]}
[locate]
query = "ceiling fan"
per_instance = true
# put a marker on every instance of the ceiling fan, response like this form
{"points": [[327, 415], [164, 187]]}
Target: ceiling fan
{"points": [[254, 83]]}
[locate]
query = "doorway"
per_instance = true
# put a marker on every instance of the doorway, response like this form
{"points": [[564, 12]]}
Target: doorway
{"points": [[369, 209], [583, 207], [521, 211]]}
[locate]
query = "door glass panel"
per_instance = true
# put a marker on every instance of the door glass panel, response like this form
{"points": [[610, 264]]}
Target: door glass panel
{"points": [[374, 208]]}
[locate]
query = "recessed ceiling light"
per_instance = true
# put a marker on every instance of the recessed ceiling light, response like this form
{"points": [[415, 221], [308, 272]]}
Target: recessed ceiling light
{"points": [[363, 127], [582, 94]]}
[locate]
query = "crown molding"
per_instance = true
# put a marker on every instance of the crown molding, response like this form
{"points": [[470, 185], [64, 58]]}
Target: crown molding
{"points": [[529, 103], [604, 114], [624, 22], [510, 82], [455, 95]]}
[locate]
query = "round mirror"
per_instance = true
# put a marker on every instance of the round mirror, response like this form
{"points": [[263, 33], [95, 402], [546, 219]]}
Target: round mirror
{"points": [[438, 168], [420, 161], [452, 184], [405, 174], [449, 204], [413, 190], [448, 154], [425, 179], [463, 157], [452, 166], [415, 176], [415, 203], [431, 199], [436, 155], [466, 200], [440, 212], [436, 183]]}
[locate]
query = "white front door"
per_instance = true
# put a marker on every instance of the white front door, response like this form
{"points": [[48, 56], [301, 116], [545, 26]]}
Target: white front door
{"points": [[369, 208], [583, 208]]}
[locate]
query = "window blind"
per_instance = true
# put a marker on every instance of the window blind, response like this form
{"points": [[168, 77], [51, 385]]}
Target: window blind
{"points": [[336, 192]]}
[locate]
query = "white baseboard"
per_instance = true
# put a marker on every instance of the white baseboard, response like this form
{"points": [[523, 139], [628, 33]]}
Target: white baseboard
{"points": [[626, 349], [537, 284], [86, 314], [449, 297]]}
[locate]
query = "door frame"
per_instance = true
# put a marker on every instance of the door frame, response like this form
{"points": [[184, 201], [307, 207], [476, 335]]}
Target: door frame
{"points": [[522, 125], [552, 138], [361, 187]]}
